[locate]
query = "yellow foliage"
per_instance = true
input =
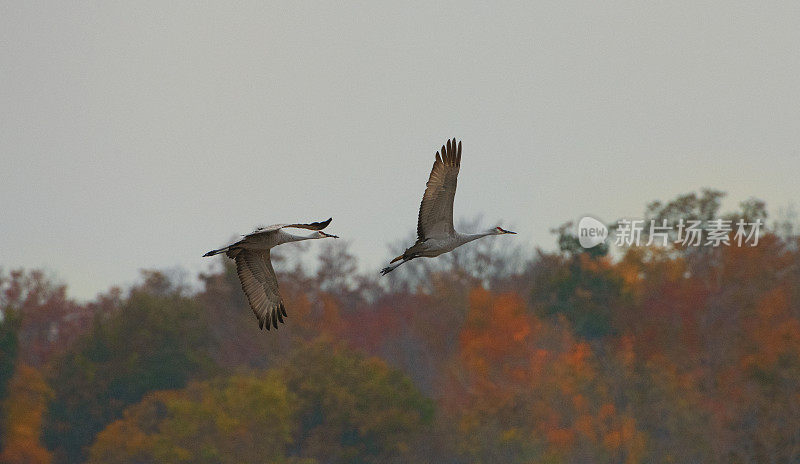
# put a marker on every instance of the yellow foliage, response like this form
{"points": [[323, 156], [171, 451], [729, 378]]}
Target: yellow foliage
{"points": [[26, 402]]}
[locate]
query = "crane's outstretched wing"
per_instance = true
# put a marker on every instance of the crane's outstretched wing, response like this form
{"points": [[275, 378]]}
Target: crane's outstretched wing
{"points": [[312, 226], [436, 210], [261, 286]]}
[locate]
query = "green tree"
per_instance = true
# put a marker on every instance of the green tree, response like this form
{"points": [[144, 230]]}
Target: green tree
{"points": [[569, 244], [354, 409], [584, 289], [157, 341], [689, 206], [9, 346], [229, 420]]}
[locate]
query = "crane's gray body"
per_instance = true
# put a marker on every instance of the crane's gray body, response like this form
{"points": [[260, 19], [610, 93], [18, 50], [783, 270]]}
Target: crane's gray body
{"points": [[435, 232], [255, 271]]}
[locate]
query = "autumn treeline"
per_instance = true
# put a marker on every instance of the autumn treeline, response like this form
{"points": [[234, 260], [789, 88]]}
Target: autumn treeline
{"points": [[491, 354]]}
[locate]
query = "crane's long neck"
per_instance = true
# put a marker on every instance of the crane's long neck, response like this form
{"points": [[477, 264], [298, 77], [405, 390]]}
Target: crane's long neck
{"points": [[287, 237], [466, 238]]}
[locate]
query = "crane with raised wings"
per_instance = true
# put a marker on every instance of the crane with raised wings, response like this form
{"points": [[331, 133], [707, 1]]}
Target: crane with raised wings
{"points": [[253, 265], [435, 232]]}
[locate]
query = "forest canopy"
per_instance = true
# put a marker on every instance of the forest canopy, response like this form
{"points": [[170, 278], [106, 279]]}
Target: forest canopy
{"points": [[492, 353]]}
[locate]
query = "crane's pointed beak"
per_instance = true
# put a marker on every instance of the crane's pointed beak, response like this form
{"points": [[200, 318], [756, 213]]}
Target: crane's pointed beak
{"points": [[507, 231], [328, 235]]}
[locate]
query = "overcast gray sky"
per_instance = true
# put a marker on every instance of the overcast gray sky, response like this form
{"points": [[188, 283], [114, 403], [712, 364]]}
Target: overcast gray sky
{"points": [[142, 134]]}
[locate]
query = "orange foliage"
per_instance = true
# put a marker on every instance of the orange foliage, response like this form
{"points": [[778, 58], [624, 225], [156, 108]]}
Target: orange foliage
{"points": [[774, 334], [561, 439], [497, 327], [545, 376], [494, 344], [330, 321]]}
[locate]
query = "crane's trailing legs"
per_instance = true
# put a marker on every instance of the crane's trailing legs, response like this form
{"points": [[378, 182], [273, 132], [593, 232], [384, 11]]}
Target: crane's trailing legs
{"points": [[216, 252], [392, 267]]}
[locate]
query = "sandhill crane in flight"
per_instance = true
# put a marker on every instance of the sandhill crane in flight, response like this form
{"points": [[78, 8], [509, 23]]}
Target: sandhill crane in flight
{"points": [[435, 232], [259, 283]]}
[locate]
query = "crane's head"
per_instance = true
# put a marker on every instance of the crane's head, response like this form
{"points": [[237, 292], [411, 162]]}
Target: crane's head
{"points": [[322, 234], [500, 231]]}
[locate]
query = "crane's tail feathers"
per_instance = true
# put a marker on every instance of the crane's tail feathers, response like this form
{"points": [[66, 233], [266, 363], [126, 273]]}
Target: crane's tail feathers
{"points": [[216, 252]]}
